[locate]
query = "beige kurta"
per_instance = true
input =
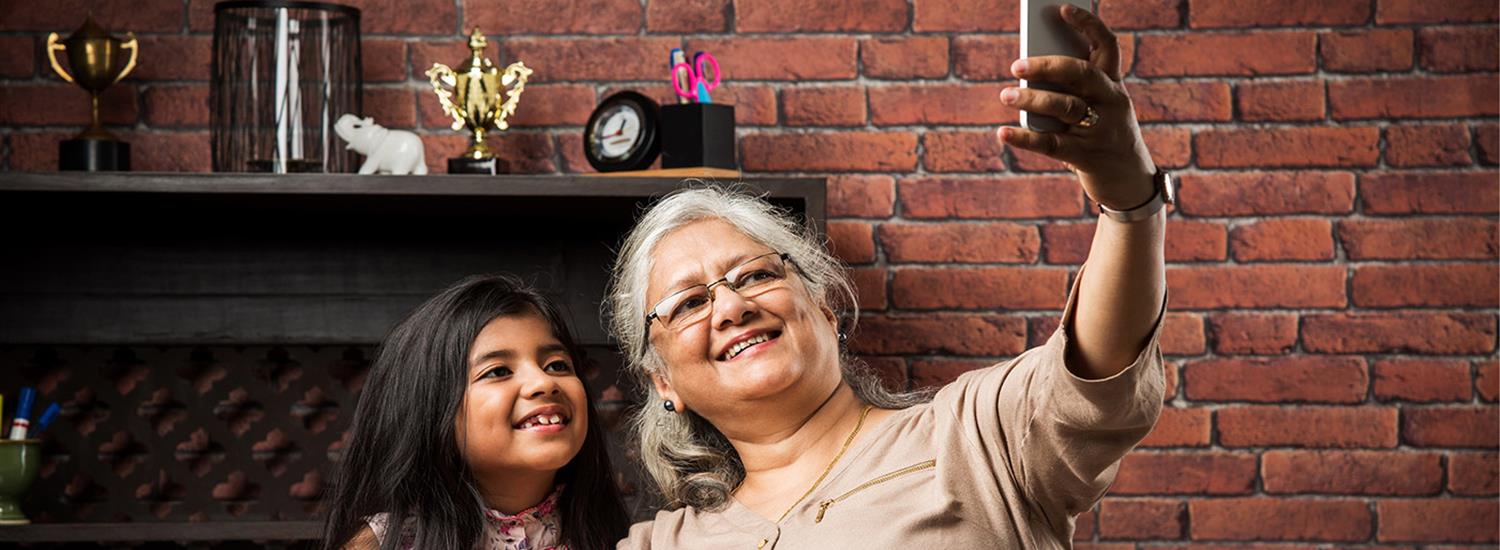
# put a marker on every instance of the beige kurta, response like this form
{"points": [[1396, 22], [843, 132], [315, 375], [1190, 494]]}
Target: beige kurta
{"points": [[1004, 457]]}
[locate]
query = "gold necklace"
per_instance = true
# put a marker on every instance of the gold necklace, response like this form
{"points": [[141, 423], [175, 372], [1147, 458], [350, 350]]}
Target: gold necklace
{"points": [[829, 468]]}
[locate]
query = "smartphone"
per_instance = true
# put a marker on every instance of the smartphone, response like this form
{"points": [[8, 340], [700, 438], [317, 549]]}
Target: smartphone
{"points": [[1043, 32]]}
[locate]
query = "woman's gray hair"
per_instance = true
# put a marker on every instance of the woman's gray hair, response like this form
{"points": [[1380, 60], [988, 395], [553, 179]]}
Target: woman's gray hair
{"points": [[692, 463]]}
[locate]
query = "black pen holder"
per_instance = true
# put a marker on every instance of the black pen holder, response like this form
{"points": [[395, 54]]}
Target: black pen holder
{"points": [[697, 134]]}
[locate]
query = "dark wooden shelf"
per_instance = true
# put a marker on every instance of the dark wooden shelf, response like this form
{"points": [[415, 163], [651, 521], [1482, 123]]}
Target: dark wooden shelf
{"points": [[175, 532]]}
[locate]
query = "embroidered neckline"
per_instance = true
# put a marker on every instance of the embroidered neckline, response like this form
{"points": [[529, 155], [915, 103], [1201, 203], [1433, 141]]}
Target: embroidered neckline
{"points": [[547, 507]]}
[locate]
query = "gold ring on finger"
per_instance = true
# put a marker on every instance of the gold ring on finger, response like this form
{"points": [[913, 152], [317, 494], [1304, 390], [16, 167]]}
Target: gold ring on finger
{"points": [[1090, 118]]}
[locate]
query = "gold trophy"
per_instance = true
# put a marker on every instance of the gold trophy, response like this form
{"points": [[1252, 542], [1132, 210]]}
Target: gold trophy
{"points": [[472, 98], [97, 63]]}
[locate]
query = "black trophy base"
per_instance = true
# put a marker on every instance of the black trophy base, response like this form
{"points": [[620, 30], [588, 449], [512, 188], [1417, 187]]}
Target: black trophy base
{"points": [[464, 165], [697, 134], [93, 155]]}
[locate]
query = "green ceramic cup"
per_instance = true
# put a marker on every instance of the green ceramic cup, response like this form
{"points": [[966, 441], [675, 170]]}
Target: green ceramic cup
{"points": [[19, 462]]}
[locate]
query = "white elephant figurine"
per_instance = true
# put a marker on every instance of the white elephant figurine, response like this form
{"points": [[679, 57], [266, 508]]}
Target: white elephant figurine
{"points": [[387, 151]]}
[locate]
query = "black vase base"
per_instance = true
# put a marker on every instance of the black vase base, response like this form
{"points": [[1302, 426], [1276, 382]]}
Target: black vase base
{"points": [[491, 166], [93, 155]]}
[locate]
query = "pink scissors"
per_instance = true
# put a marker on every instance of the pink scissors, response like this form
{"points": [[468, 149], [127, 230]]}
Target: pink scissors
{"points": [[695, 77]]}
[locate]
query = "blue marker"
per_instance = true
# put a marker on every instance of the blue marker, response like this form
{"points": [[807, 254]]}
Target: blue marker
{"points": [[22, 422], [47, 417]]}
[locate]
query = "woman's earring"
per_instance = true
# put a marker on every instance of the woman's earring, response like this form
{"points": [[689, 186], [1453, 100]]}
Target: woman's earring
{"points": [[667, 404], [843, 337]]}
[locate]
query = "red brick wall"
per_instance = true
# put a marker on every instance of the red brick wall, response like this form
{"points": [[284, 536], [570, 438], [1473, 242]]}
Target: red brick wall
{"points": [[1332, 339]]}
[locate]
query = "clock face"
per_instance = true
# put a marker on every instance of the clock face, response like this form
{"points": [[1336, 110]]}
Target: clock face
{"points": [[621, 133]]}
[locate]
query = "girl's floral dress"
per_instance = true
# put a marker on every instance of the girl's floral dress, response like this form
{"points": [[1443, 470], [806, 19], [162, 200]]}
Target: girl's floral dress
{"points": [[535, 528]]}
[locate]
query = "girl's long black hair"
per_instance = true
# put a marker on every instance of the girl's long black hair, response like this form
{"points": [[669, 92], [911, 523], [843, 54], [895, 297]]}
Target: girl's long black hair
{"points": [[403, 458]]}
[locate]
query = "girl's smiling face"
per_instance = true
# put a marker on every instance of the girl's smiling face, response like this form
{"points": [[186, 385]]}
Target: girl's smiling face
{"points": [[525, 410]]}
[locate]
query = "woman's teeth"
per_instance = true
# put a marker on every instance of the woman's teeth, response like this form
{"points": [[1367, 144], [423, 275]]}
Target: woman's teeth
{"points": [[737, 348], [542, 420]]}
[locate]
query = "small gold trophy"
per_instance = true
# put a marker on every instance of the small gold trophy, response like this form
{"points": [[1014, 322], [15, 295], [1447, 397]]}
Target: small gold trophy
{"points": [[97, 63], [472, 98]]}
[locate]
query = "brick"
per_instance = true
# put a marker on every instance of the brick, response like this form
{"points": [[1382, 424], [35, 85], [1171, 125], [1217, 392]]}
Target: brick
{"points": [[890, 370], [1351, 472], [852, 242], [1180, 427], [1451, 427], [1432, 239], [870, 288], [1415, 97], [1084, 526], [936, 373], [174, 57], [1208, 14], [522, 153], [687, 16], [1428, 333], [1067, 243], [1282, 239], [65, 104], [1438, 520], [960, 243], [793, 16], [1027, 161], [861, 196], [1487, 380], [1262, 286], [1185, 473], [824, 106], [1427, 145], [985, 57], [1473, 474], [1317, 147], [1182, 334], [582, 59], [1191, 240], [965, 16], [160, 151], [1287, 100], [1253, 333], [929, 104], [393, 107], [1459, 49], [845, 151], [941, 334], [1389, 12], [1025, 197], [1004, 288], [795, 59], [385, 60], [1487, 137], [1266, 193], [570, 148], [430, 17], [1277, 519], [1142, 14], [181, 106], [36, 151], [1141, 519], [1277, 380], [18, 56], [1227, 54], [550, 105], [1422, 380], [1181, 101], [64, 16], [1430, 193], [962, 152], [1366, 50], [591, 17], [1170, 147], [753, 105], [1426, 285], [1307, 426], [904, 57]]}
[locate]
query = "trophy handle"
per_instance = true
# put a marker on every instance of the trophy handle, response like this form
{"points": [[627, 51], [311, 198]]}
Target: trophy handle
{"points": [[52, 48], [516, 72], [134, 50], [440, 74]]}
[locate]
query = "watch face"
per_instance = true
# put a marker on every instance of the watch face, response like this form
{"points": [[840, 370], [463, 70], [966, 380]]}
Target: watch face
{"points": [[621, 133]]}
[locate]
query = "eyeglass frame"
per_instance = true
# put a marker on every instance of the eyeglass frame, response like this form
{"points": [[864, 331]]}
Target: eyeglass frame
{"points": [[785, 257]]}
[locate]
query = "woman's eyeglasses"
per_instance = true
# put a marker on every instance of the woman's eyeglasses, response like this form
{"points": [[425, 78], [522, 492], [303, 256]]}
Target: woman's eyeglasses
{"points": [[690, 305]]}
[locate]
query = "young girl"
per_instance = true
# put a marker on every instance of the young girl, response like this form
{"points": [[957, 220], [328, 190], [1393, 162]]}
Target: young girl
{"points": [[474, 431]]}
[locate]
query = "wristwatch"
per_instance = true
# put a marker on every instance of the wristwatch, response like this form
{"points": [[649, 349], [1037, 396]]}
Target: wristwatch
{"points": [[1166, 193]]}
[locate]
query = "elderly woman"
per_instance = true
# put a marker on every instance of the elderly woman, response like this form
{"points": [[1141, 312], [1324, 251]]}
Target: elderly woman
{"points": [[762, 433]]}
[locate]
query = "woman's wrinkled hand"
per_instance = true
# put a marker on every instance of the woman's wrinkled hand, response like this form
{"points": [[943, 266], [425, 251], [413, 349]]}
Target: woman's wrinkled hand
{"points": [[1110, 158]]}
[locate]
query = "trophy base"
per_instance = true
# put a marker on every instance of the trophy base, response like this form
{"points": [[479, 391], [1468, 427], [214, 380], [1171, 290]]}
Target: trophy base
{"points": [[491, 166], [93, 155]]}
